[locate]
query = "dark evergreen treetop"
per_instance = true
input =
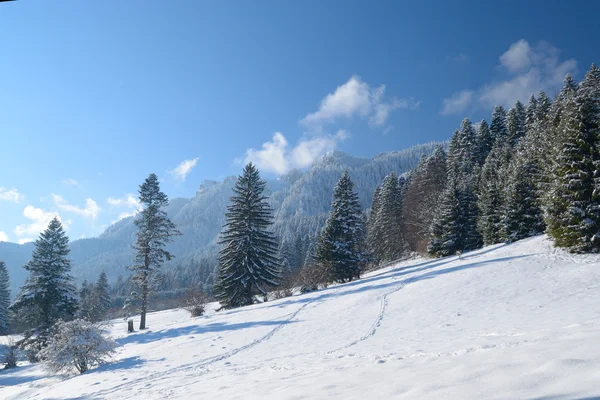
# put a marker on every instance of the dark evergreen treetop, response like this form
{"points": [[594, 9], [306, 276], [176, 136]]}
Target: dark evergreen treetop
{"points": [[498, 123], [4, 298]]}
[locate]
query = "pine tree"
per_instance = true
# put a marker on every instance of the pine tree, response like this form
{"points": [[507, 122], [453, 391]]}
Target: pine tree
{"points": [[485, 142], [248, 261], [374, 230], [155, 231], [340, 241], [498, 124], [445, 230], [4, 298], [491, 187], [102, 296], [389, 219], [86, 302], [48, 293], [574, 212], [470, 237], [522, 216], [515, 123]]}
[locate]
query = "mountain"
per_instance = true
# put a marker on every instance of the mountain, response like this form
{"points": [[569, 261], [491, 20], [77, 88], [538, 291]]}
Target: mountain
{"points": [[516, 321], [301, 202]]}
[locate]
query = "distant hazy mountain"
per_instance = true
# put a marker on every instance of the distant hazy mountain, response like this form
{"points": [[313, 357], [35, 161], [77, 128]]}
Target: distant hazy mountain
{"points": [[301, 201]]}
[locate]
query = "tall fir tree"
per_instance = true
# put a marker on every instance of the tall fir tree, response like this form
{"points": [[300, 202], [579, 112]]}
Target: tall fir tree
{"points": [[374, 230], [485, 142], [515, 123], [48, 293], [522, 216], [446, 238], [498, 124], [491, 191], [4, 298], [248, 262], [154, 231], [390, 244], [340, 242], [574, 213], [102, 295]]}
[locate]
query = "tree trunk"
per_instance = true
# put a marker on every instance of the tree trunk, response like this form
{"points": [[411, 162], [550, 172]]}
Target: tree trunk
{"points": [[130, 326], [144, 306]]}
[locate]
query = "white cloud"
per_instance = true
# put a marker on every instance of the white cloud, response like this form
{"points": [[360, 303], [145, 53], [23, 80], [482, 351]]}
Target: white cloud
{"points": [[356, 98], [529, 70], [70, 182], [25, 240], [127, 201], [274, 156], [91, 209], [458, 102], [11, 195], [517, 57], [184, 168], [40, 220], [3, 237]]}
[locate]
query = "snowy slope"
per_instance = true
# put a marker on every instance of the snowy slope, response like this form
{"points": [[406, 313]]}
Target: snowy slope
{"points": [[518, 321]]}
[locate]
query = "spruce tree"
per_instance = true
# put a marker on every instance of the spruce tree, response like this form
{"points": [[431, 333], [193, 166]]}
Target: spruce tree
{"points": [[491, 188], [102, 296], [248, 262], [515, 123], [340, 242], [574, 211], [389, 220], [374, 230], [498, 124], [155, 231], [4, 298], [446, 230], [522, 216], [485, 142], [48, 293]]}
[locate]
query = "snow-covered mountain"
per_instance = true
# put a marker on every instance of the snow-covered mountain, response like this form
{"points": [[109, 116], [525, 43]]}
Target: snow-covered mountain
{"points": [[515, 321], [301, 201]]}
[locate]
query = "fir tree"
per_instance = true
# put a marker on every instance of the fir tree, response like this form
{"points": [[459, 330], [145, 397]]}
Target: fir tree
{"points": [[492, 183], [4, 298], [155, 231], [248, 261], [48, 293], [522, 216], [485, 142], [374, 230], [498, 124], [102, 296], [445, 229], [389, 220], [338, 249], [515, 123], [471, 238], [574, 213]]}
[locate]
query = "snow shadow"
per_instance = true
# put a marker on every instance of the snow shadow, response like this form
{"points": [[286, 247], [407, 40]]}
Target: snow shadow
{"points": [[15, 376], [566, 397], [151, 336], [126, 363]]}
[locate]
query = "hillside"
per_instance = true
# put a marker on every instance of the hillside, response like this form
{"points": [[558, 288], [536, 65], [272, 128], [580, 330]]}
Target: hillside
{"points": [[504, 322], [300, 200]]}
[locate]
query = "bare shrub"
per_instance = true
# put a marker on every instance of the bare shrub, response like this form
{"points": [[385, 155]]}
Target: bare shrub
{"points": [[195, 301]]}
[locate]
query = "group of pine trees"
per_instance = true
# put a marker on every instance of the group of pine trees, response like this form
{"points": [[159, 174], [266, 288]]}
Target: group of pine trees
{"points": [[532, 169]]}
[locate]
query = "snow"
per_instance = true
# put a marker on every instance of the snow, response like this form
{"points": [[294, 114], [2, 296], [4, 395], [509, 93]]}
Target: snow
{"points": [[504, 322]]}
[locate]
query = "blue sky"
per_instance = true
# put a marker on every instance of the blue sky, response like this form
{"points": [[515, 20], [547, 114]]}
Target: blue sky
{"points": [[96, 95]]}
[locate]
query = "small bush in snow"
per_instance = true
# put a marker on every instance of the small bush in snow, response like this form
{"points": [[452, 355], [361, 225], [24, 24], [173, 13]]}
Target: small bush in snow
{"points": [[9, 356], [195, 302], [76, 344]]}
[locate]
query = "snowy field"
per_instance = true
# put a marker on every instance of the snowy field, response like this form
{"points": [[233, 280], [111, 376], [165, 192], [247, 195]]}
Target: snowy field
{"points": [[518, 321]]}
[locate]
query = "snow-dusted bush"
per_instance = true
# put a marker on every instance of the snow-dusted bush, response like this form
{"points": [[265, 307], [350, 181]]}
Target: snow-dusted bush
{"points": [[9, 356], [195, 302], [76, 344]]}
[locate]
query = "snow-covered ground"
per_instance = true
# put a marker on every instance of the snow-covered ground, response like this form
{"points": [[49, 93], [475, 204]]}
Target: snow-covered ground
{"points": [[518, 321]]}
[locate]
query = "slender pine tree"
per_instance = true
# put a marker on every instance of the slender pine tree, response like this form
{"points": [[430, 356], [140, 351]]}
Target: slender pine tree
{"points": [[155, 231], [102, 296], [248, 262], [515, 123], [4, 298], [340, 242], [389, 220]]}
